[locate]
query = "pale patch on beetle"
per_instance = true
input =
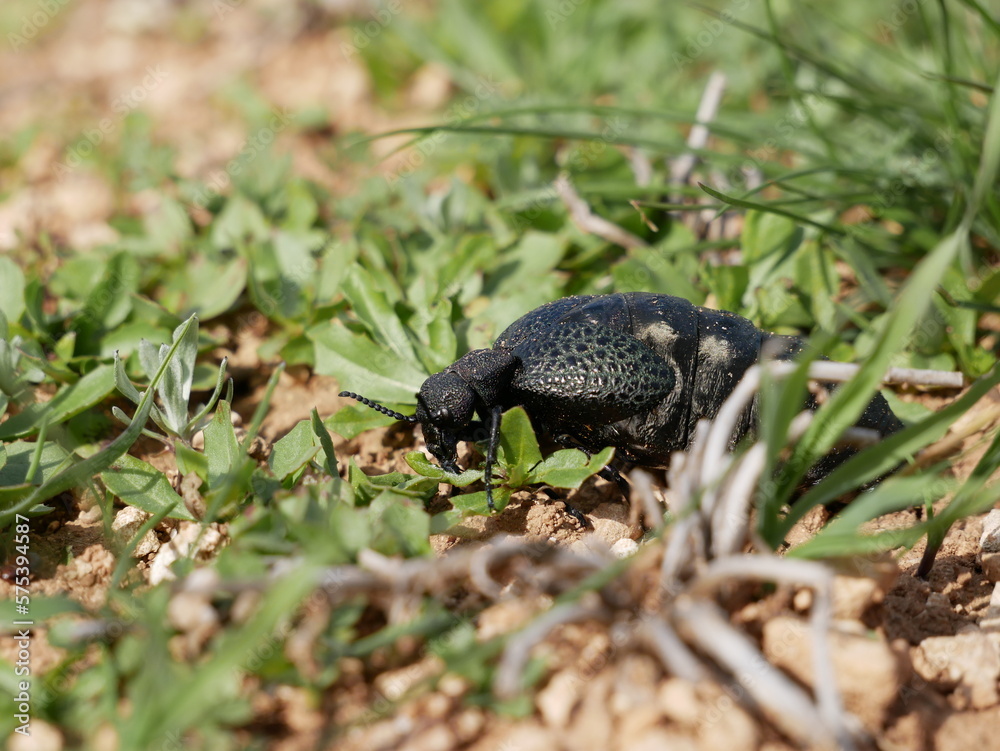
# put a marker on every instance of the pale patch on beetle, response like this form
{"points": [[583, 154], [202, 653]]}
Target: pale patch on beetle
{"points": [[659, 336], [714, 351]]}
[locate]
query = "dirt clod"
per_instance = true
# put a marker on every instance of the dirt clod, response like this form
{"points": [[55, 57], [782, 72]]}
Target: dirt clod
{"points": [[127, 523], [868, 671], [966, 665]]}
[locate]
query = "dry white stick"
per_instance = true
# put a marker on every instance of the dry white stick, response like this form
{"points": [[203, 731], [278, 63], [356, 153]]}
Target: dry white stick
{"points": [[839, 372], [590, 222], [682, 167], [790, 571], [786, 704], [717, 458], [670, 648], [507, 681], [643, 484], [682, 548], [686, 541], [642, 169], [827, 370], [731, 520]]}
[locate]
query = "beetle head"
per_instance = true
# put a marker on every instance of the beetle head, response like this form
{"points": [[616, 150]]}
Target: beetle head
{"points": [[445, 405]]}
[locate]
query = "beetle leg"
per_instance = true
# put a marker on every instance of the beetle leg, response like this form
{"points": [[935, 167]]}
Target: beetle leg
{"points": [[578, 515], [611, 473], [491, 453]]}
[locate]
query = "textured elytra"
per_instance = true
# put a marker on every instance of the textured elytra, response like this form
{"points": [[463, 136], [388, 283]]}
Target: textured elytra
{"points": [[585, 372]]}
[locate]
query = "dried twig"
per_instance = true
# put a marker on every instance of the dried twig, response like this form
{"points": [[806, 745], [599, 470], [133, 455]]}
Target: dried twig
{"points": [[642, 484], [683, 166], [827, 370], [507, 680], [723, 571], [786, 704], [590, 222], [671, 649]]}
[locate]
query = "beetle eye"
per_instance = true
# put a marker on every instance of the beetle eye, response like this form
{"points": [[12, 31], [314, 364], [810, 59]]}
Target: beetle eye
{"points": [[443, 414]]}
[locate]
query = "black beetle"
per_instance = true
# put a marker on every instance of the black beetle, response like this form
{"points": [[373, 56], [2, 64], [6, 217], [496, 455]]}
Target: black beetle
{"points": [[635, 371]]}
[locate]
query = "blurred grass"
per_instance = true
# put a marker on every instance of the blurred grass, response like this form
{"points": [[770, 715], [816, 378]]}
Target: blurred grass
{"points": [[875, 133]]}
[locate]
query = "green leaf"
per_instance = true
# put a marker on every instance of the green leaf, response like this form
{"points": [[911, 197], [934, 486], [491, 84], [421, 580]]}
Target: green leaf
{"points": [[189, 460], [518, 451], [42, 608], [350, 527], [475, 503], [442, 522], [398, 525], [989, 163], [123, 384], [220, 380], [11, 290], [367, 487], [765, 234], [420, 464], [442, 344], [373, 308], [240, 221], [141, 485], [110, 302], [167, 225], [18, 457], [301, 210], [323, 435], [294, 450], [210, 288], [359, 364], [221, 447], [69, 401], [355, 419], [175, 389], [568, 468]]}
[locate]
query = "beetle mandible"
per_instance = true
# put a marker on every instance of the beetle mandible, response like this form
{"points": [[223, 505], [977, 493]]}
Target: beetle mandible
{"points": [[635, 370]]}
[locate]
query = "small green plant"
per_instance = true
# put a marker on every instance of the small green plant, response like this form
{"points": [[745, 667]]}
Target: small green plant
{"points": [[174, 390], [521, 464]]}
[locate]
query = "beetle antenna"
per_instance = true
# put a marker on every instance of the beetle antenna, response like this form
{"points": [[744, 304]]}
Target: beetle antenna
{"points": [[378, 407], [491, 454]]}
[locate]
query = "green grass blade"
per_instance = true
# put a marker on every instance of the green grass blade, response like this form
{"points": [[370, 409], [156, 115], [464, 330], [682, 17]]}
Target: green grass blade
{"points": [[851, 398], [872, 463]]}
